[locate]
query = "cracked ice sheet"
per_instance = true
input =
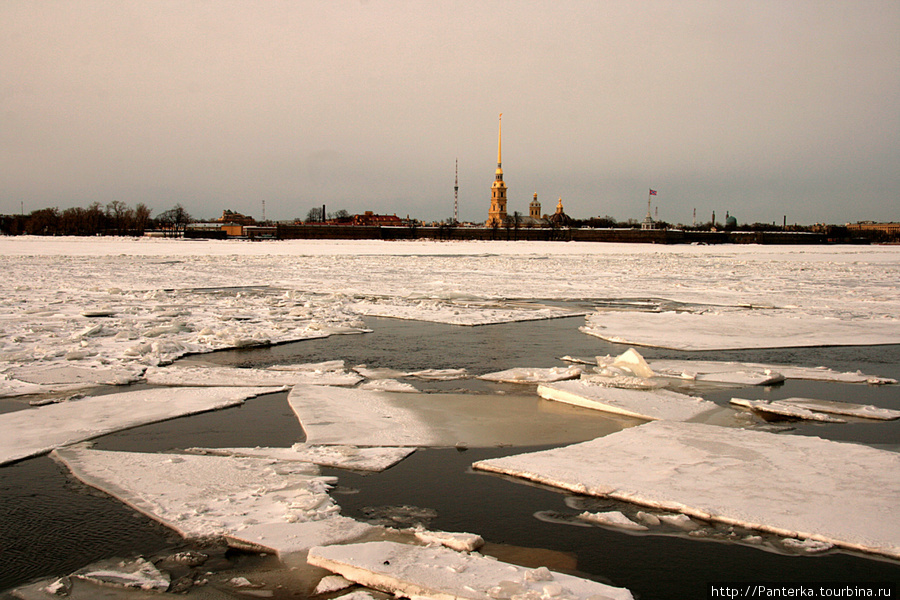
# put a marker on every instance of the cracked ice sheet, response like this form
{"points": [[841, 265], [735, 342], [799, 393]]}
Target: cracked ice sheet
{"points": [[790, 485], [39, 430], [353, 416], [444, 574], [233, 376], [251, 502], [739, 329], [341, 457]]}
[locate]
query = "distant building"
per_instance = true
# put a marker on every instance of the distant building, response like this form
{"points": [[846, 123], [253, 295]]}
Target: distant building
{"points": [[370, 218], [231, 217], [891, 229]]}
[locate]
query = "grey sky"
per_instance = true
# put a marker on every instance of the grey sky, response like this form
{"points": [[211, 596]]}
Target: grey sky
{"points": [[762, 108]]}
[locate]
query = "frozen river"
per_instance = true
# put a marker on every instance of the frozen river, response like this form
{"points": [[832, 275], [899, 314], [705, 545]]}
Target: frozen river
{"points": [[162, 301]]}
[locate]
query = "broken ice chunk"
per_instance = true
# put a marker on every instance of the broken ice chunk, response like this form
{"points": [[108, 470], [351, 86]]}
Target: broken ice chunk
{"points": [[137, 573], [461, 542], [613, 518], [782, 411], [651, 405], [525, 375]]}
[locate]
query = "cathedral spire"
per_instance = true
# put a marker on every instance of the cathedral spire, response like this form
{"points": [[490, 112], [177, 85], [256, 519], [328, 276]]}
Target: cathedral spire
{"points": [[499, 140], [497, 212]]}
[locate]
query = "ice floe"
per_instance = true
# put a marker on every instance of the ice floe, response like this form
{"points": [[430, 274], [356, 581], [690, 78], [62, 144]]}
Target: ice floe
{"points": [[461, 542], [533, 375], [612, 518], [134, 573], [847, 409], [39, 430], [775, 410], [388, 385], [815, 410], [640, 404], [439, 374], [233, 376], [790, 485], [36, 379], [738, 329], [341, 457], [755, 373], [251, 502], [360, 417], [442, 573]]}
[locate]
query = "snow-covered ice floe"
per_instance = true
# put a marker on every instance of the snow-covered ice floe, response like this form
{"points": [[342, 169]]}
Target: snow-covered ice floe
{"points": [[810, 408], [39, 430], [341, 457], [250, 502], [38, 379], [461, 542], [776, 410], [789, 485], [738, 329], [759, 374], [640, 404], [224, 376], [533, 375], [331, 415], [444, 574], [360, 417]]}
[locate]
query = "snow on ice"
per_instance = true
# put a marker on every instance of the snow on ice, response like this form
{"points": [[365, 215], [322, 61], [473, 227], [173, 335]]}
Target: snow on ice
{"points": [[790, 485], [39, 430], [444, 574], [251, 502]]}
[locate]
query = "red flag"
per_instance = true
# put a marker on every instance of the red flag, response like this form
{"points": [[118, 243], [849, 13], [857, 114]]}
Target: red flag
{"points": [[652, 192]]}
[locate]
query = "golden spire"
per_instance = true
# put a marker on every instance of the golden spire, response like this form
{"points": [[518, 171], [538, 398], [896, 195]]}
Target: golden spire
{"points": [[499, 139]]}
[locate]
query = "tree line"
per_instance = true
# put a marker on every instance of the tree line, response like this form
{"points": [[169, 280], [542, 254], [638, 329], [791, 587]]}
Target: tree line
{"points": [[116, 218]]}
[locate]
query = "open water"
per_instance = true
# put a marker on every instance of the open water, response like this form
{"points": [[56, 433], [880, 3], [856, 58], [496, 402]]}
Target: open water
{"points": [[51, 525]]}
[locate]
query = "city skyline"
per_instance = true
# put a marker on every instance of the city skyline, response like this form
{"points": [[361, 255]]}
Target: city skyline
{"points": [[766, 110]]}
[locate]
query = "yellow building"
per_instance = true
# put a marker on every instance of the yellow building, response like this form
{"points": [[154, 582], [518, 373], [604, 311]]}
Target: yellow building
{"points": [[497, 213]]}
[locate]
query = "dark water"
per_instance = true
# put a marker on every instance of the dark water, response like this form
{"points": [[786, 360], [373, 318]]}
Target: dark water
{"points": [[50, 525]]}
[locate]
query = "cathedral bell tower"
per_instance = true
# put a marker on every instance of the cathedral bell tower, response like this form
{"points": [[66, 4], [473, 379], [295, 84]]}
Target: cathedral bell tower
{"points": [[497, 213]]}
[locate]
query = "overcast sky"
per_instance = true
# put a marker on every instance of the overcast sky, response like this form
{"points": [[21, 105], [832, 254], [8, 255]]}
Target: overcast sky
{"points": [[766, 109]]}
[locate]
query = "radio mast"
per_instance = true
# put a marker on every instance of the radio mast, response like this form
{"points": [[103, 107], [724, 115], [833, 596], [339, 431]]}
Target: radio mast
{"points": [[456, 195]]}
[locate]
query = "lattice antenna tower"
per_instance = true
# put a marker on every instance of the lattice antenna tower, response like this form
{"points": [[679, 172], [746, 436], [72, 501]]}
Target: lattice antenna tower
{"points": [[456, 194]]}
